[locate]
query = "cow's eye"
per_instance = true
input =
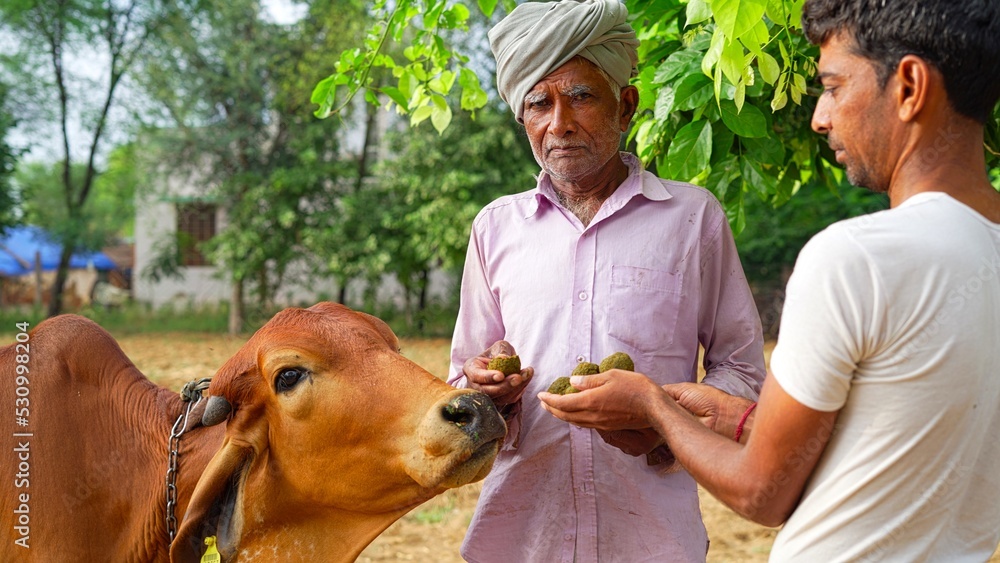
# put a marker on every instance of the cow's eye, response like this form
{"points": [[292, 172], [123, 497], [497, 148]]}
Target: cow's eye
{"points": [[288, 378]]}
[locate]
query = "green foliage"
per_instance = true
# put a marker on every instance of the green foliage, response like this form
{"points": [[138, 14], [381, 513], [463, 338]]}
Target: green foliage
{"points": [[725, 95], [425, 74], [8, 158], [773, 237], [101, 218]]}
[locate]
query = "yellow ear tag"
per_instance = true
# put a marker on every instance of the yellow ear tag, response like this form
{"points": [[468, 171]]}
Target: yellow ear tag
{"points": [[211, 554]]}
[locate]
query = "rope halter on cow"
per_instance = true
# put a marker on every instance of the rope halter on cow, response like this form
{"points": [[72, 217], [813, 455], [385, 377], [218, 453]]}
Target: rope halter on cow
{"points": [[191, 395]]}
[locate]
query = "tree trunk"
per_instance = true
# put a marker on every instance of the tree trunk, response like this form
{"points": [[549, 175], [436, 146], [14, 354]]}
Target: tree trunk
{"points": [[371, 139], [38, 280], [422, 303], [236, 308], [55, 305]]}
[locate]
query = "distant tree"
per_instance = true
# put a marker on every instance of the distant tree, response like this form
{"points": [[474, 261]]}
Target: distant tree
{"points": [[8, 159], [47, 33], [100, 221], [234, 89], [773, 237], [415, 213]]}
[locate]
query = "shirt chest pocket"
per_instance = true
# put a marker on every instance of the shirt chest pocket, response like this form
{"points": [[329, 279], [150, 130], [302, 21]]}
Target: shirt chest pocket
{"points": [[644, 307]]}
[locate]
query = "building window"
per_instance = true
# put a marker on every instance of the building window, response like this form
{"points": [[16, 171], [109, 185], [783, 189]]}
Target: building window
{"points": [[195, 225]]}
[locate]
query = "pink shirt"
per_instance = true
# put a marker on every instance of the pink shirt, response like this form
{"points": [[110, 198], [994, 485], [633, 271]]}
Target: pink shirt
{"points": [[654, 274]]}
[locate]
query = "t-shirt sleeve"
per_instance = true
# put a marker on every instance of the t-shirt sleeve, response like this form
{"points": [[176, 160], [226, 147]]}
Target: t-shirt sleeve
{"points": [[827, 320]]}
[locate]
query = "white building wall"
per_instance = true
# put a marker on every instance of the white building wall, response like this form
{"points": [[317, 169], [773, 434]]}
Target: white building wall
{"points": [[156, 221]]}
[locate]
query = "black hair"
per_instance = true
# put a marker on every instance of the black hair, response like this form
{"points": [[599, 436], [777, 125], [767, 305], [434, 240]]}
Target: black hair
{"points": [[960, 38]]}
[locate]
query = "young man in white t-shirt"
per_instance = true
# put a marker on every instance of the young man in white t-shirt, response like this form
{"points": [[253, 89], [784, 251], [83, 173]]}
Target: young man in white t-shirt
{"points": [[876, 434]]}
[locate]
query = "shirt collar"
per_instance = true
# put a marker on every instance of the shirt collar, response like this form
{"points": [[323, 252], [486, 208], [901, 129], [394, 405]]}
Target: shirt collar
{"points": [[638, 182]]}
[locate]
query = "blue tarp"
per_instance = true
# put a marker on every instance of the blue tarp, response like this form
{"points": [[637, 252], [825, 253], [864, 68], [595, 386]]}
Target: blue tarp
{"points": [[26, 241]]}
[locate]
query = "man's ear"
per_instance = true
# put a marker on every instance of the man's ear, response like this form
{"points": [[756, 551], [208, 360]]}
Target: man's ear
{"points": [[915, 80], [628, 105]]}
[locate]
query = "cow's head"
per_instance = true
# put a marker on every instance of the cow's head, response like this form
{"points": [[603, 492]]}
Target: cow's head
{"points": [[331, 436]]}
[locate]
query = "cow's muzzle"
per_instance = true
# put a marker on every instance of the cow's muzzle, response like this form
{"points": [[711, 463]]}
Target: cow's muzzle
{"points": [[475, 415]]}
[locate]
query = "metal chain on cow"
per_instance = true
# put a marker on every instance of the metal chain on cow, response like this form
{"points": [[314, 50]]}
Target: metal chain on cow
{"points": [[191, 395]]}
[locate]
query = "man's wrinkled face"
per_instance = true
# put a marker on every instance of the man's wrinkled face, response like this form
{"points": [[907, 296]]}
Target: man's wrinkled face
{"points": [[855, 113], [573, 122]]}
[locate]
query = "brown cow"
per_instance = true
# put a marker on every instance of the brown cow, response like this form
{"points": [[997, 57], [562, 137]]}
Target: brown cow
{"points": [[331, 435]]}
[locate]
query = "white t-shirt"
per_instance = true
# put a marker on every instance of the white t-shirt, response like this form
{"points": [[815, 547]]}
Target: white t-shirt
{"points": [[894, 320]]}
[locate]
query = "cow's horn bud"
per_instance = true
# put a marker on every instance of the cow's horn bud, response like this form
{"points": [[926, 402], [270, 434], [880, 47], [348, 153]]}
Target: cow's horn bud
{"points": [[217, 410]]}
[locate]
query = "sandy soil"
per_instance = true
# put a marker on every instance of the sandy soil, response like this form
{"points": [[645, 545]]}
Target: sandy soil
{"points": [[434, 530]]}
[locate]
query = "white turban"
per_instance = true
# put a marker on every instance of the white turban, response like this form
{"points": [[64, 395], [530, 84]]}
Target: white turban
{"points": [[536, 38]]}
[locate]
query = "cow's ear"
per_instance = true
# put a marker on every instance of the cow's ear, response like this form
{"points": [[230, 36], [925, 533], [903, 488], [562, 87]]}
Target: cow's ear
{"points": [[215, 505]]}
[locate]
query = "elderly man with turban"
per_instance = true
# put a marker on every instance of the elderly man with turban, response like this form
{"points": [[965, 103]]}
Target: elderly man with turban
{"points": [[600, 257]]}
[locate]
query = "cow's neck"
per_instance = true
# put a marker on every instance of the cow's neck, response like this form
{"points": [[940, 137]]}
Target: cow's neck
{"points": [[335, 535]]}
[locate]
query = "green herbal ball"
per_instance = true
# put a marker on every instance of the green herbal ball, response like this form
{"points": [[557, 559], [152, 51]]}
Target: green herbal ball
{"points": [[505, 364], [561, 386], [618, 360], [586, 368]]}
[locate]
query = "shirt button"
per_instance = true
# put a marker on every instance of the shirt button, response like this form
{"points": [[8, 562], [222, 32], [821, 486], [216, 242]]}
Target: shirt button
{"points": [[583, 296], [568, 537], [581, 358]]}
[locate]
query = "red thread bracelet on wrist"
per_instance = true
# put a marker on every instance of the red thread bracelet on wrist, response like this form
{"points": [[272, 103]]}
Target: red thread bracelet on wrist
{"points": [[743, 420]]}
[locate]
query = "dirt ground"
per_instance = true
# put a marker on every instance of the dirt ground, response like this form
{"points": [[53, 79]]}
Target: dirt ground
{"points": [[434, 530]]}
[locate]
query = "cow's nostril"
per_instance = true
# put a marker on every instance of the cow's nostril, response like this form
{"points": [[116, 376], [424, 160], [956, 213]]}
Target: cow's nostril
{"points": [[458, 413], [476, 416]]}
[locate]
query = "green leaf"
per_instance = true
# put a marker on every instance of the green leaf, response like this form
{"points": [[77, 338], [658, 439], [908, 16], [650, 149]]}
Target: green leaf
{"points": [[747, 123], [647, 90], [396, 96], [487, 7], [739, 96], [690, 150], [723, 174], [714, 52], [756, 178], [440, 118], [642, 132], [433, 13], [664, 103], [766, 150], [473, 95], [697, 11], [737, 215], [455, 16], [679, 62], [443, 82], [732, 60], [736, 17], [324, 94], [420, 114], [413, 52], [756, 37], [768, 66], [693, 91]]}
